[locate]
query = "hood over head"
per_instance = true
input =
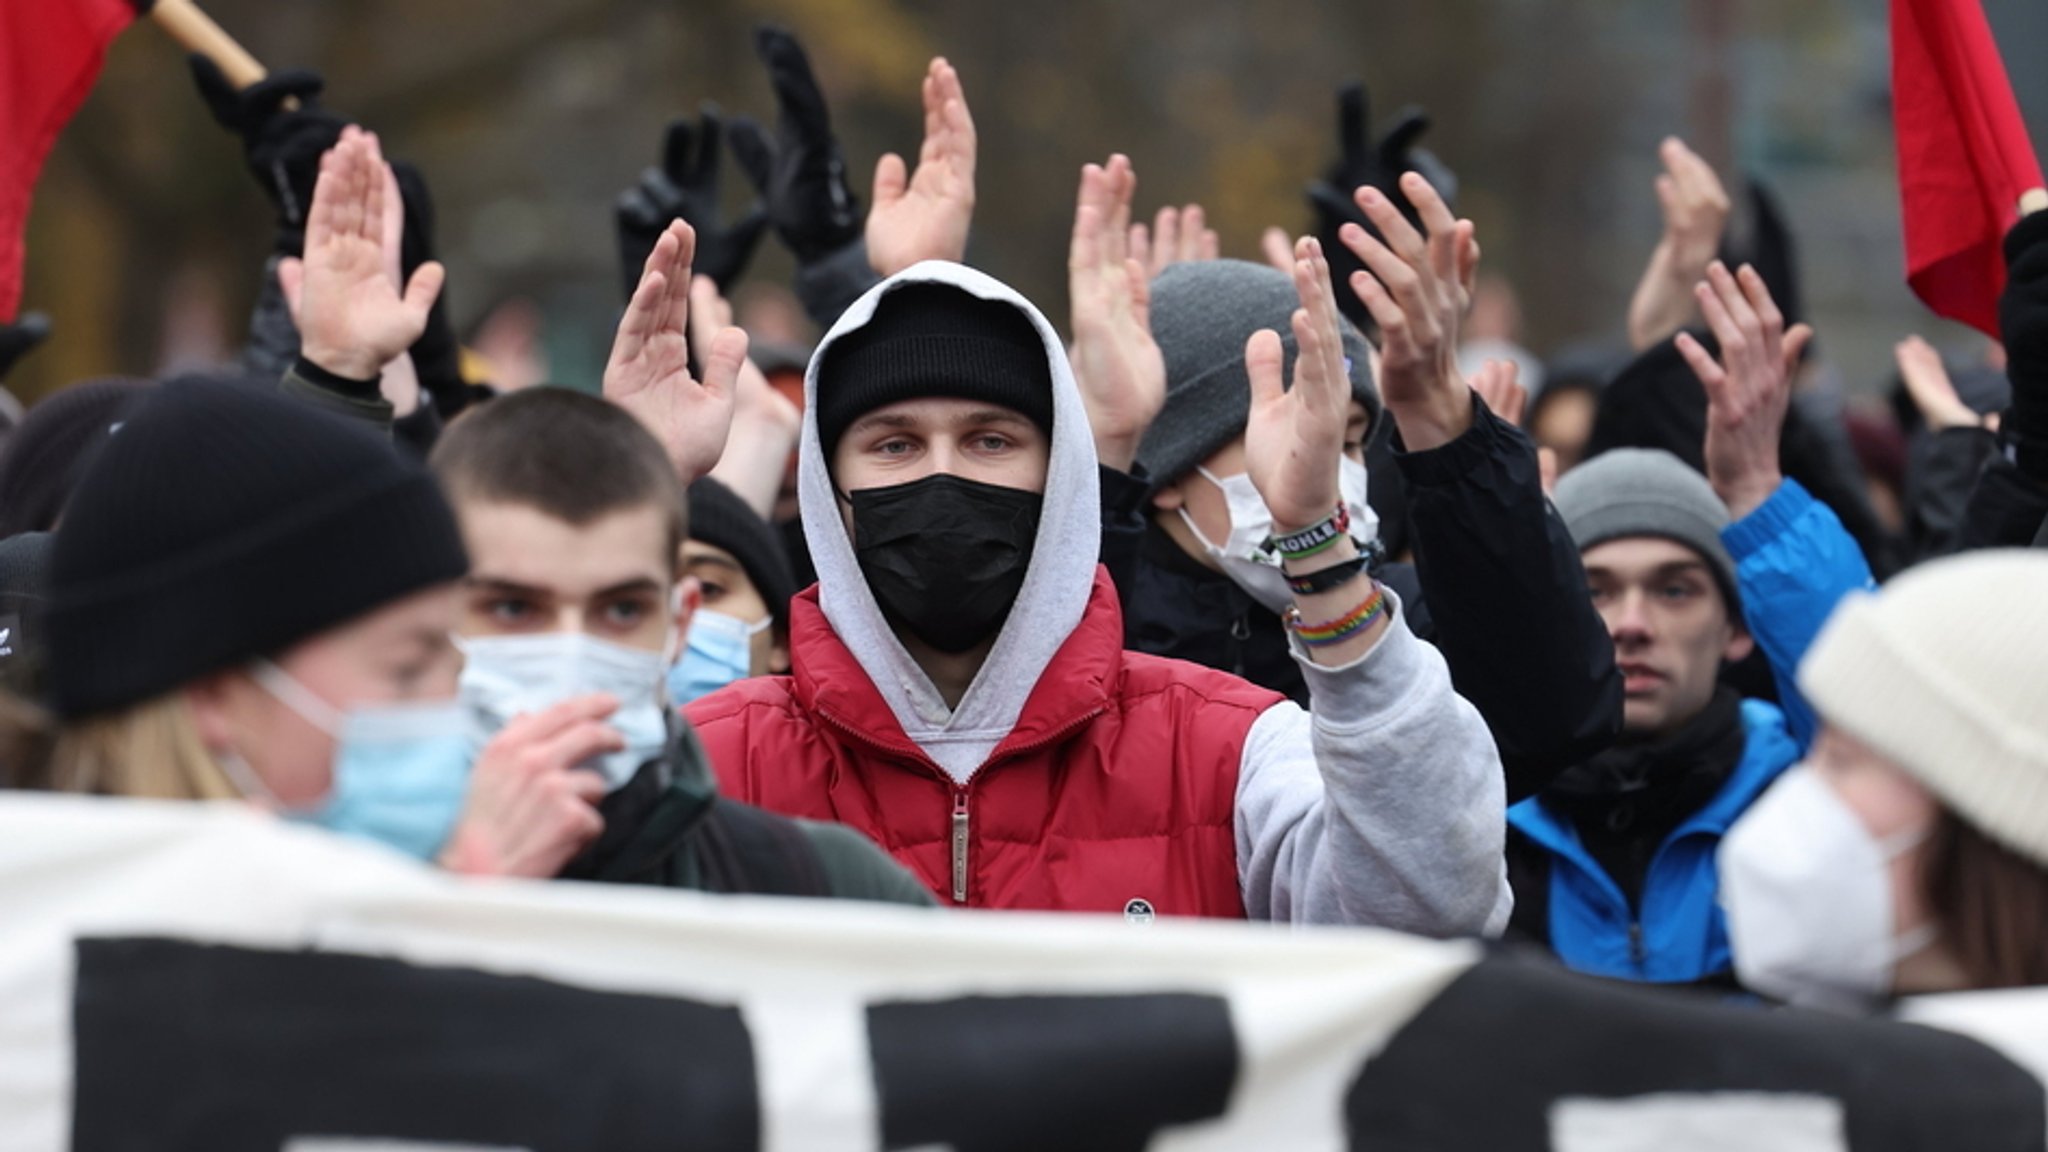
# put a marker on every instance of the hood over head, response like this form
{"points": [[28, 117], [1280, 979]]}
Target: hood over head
{"points": [[1056, 586]]}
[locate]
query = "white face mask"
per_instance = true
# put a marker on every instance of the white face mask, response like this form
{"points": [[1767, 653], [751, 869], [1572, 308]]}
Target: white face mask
{"points": [[508, 676], [1808, 894], [1244, 557]]}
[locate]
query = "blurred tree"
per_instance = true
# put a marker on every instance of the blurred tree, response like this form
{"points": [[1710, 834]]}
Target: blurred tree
{"points": [[528, 119]]}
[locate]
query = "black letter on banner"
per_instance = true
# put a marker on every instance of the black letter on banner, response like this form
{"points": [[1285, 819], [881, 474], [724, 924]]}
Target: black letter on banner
{"points": [[1079, 1073], [1482, 1064], [186, 1046]]}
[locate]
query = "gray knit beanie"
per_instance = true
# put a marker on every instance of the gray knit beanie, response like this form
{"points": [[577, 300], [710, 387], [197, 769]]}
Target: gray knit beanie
{"points": [[1202, 315], [1941, 673], [1647, 492]]}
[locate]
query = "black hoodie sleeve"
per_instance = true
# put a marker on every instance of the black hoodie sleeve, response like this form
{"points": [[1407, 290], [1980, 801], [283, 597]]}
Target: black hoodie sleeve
{"points": [[2011, 498], [2023, 323], [1507, 596], [1942, 474], [2006, 509]]}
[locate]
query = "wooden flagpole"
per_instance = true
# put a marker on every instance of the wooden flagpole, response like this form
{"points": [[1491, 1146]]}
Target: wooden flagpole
{"points": [[195, 31]]}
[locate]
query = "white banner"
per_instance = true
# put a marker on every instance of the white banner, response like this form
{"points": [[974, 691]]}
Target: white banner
{"points": [[206, 978]]}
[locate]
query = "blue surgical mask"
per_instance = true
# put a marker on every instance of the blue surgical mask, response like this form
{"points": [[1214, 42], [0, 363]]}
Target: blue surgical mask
{"points": [[401, 771], [720, 651], [508, 676]]}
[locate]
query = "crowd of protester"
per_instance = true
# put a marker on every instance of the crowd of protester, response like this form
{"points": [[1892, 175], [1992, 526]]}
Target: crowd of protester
{"points": [[1287, 589]]}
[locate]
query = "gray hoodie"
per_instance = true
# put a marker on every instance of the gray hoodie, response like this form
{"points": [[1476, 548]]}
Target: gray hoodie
{"points": [[1381, 805]]}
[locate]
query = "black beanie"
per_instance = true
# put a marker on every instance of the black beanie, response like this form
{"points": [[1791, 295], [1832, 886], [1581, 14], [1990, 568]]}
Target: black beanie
{"points": [[24, 580], [49, 451], [934, 340], [224, 522], [718, 517]]}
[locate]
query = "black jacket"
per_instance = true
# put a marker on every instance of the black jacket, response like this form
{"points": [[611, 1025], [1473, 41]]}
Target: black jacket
{"points": [[668, 827], [1497, 586], [1943, 468], [2006, 510]]}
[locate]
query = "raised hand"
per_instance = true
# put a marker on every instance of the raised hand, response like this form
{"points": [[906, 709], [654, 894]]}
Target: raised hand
{"points": [[1294, 436], [291, 271], [649, 372], [353, 318], [1934, 394], [765, 425], [1177, 236], [687, 187], [1498, 382], [1362, 163], [530, 809], [1695, 214], [801, 174], [1416, 289], [1116, 362], [1749, 389], [284, 131], [1277, 249], [925, 215]]}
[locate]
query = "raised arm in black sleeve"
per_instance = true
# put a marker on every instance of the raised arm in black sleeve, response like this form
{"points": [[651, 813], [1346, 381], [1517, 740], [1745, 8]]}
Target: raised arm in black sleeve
{"points": [[1508, 599], [2011, 498]]}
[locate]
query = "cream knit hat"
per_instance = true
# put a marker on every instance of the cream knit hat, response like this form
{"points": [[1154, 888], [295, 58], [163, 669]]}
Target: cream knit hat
{"points": [[1945, 672]]}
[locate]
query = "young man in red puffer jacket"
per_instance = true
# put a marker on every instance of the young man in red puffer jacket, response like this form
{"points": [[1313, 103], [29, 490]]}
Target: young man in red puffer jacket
{"points": [[960, 691]]}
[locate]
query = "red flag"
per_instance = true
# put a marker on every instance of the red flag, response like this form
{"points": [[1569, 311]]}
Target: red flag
{"points": [[1964, 157], [50, 54]]}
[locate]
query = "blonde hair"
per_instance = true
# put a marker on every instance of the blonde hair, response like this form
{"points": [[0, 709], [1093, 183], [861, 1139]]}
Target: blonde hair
{"points": [[151, 750]]}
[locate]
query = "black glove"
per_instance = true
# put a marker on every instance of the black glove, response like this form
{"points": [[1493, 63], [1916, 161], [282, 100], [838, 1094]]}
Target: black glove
{"points": [[1360, 163], [686, 186], [800, 174], [29, 330], [2023, 325], [283, 147]]}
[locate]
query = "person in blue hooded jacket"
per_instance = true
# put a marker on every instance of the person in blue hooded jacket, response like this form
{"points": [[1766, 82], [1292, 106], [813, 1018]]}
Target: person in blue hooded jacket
{"points": [[1613, 864]]}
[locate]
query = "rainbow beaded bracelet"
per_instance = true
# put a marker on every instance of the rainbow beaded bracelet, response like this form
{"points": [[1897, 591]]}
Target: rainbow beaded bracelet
{"points": [[1344, 627]]}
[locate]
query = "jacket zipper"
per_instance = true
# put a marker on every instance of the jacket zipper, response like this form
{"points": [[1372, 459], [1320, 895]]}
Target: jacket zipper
{"points": [[961, 823], [959, 845], [1637, 954]]}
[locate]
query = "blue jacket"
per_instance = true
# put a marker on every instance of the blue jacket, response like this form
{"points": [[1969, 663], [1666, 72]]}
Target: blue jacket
{"points": [[1794, 562]]}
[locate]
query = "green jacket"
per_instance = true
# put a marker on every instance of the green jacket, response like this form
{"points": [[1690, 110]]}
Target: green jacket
{"points": [[668, 827]]}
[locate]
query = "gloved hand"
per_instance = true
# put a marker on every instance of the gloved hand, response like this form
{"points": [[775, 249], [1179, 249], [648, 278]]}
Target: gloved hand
{"points": [[1359, 162], [16, 339], [283, 147], [800, 174], [686, 187]]}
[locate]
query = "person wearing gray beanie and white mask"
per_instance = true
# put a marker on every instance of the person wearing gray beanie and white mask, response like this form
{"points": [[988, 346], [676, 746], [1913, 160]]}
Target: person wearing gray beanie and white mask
{"points": [[1908, 853], [1495, 584]]}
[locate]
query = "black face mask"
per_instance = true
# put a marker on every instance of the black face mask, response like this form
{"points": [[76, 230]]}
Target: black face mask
{"points": [[945, 556]]}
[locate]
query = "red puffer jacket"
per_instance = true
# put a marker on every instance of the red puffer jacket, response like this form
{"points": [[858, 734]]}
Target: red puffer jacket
{"points": [[1116, 791]]}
